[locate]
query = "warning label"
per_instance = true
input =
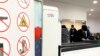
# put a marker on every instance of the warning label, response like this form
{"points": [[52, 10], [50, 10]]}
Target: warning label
{"points": [[4, 47], [23, 22], [24, 3], [23, 45], [4, 20]]}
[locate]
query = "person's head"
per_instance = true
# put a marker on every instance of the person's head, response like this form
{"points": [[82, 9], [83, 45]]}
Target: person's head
{"points": [[63, 26], [72, 26], [84, 27]]}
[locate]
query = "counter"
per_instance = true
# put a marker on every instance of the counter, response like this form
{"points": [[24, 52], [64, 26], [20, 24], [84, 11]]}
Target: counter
{"points": [[79, 45]]}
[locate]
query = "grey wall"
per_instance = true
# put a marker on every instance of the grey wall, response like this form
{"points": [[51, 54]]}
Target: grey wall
{"points": [[94, 24]]}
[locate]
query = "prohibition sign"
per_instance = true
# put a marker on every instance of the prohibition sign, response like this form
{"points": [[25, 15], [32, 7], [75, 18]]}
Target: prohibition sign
{"points": [[3, 1], [23, 21], [4, 20], [23, 46], [5, 47], [24, 3]]}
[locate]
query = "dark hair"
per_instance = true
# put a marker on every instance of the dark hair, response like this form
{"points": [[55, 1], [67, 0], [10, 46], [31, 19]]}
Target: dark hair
{"points": [[84, 27], [72, 25], [63, 26]]}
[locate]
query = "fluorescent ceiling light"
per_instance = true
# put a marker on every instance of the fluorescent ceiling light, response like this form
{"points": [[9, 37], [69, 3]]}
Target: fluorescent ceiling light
{"points": [[91, 9], [95, 2]]}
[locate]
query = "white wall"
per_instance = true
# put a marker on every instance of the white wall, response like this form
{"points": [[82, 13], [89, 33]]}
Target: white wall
{"points": [[68, 11], [83, 52], [94, 24], [51, 31]]}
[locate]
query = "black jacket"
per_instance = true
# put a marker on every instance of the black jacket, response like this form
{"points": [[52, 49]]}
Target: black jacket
{"points": [[81, 34], [73, 35]]}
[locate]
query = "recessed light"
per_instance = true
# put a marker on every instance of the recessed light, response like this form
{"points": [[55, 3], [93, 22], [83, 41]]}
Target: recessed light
{"points": [[91, 9], [95, 2], [90, 14]]}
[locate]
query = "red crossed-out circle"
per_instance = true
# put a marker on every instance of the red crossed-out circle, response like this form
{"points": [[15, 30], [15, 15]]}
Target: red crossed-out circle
{"points": [[27, 22], [4, 22], [19, 41], [8, 54], [3, 1], [22, 6]]}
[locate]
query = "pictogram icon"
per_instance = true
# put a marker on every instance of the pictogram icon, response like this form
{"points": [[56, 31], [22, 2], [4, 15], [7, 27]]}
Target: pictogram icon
{"points": [[4, 20], [24, 3], [23, 45], [5, 47], [23, 22]]}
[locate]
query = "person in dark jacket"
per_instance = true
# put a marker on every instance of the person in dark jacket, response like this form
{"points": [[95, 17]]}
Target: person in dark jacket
{"points": [[84, 32], [64, 34], [73, 34]]}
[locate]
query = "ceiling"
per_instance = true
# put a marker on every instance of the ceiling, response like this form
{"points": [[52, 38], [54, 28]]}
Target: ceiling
{"points": [[85, 3]]}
